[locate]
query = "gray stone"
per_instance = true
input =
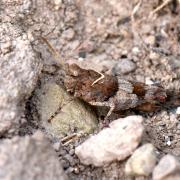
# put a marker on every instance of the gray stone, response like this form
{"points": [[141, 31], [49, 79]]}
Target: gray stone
{"points": [[114, 143], [29, 158], [73, 113], [167, 169], [19, 71], [124, 66], [142, 162]]}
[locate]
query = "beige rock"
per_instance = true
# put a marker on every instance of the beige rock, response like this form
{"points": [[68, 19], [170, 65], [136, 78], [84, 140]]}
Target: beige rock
{"points": [[114, 143], [73, 113], [167, 169], [142, 161]]}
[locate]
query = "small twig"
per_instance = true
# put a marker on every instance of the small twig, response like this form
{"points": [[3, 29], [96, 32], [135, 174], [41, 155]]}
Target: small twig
{"points": [[135, 9], [166, 2], [100, 78], [68, 139]]}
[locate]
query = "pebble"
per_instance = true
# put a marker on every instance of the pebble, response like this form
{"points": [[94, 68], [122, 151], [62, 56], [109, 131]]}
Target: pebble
{"points": [[167, 169], [76, 170], [116, 142], [135, 50], [154, 55], [142, 161], [124, 66], [178, 110], [150, 40], [68, 34], [167, 140]]}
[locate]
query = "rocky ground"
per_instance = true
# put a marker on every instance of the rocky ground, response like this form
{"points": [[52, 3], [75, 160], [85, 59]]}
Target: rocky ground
{"points": [[134, 40]]}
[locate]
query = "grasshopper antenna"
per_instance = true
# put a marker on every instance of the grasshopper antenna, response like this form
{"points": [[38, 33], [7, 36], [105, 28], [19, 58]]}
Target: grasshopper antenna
{"points": [[53, 51], [57, 57]]}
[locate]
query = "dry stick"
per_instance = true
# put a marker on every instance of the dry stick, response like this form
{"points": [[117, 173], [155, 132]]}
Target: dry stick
{"points": [[160, 7], [68, 139], [135, 9]]}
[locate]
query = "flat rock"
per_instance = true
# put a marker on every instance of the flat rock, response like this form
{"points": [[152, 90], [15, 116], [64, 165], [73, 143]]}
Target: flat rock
{"points": [[29, 158], [73, 113], [142, 162], [167, 169], [19, 71], [116, 142]]}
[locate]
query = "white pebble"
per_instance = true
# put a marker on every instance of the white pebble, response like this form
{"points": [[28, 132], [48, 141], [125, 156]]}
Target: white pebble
{"points": [[178, 110], [114, 143], [135, 50], [148, 81]]}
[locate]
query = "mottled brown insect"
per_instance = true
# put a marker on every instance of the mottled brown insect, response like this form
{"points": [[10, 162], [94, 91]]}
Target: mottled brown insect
{"points": [[110, 91], [106, 90]]}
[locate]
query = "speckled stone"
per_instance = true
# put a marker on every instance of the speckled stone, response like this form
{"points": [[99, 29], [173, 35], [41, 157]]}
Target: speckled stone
{"points": [[74, 114]]}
